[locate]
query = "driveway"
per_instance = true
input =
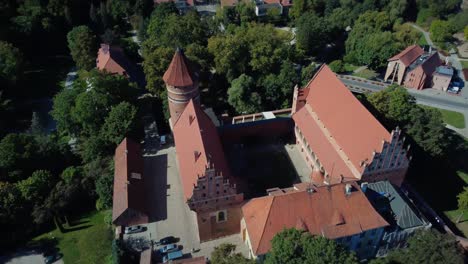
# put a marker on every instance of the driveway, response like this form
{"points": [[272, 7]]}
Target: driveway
{"points": [[26, 257]]}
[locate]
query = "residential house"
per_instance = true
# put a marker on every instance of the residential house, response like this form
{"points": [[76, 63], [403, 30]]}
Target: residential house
{"points": [[398, 210], [129, 204], [340, 139], [419, 73], [340, 212], [442, 77], [398, 64], [113, 60]]}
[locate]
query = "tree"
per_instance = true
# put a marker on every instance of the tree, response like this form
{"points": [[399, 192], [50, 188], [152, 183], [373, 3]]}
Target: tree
{"points": [[312, 33], [406, 35], [104, 185], [119, 122], [428, 246], [242, 97], [294, 246], [11, 62], [155, 64], [225, 254], [82, 45], [462, 203], [337, 66], [440, 31], [18, 153], [36, 187], [466, 32]]}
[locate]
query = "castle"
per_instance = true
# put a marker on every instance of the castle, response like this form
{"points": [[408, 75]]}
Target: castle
{"points": [[342, 142]]}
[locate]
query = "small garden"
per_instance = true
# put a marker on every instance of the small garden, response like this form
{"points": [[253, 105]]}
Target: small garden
{"points": [[87, 239]]}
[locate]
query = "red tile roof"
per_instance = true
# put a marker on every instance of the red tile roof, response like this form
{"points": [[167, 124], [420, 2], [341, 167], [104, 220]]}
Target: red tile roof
{"points": [[430, 65], [338, 127], [327, 211], [128, 189], [178, 74], [408, 55], [198, 146]]}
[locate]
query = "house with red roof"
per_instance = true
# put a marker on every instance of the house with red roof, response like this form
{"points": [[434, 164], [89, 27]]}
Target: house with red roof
{"points": [[340, 139], [112, 59], [412, 68], [398, 64], [129, 201], [340, 212], [209, 187]]}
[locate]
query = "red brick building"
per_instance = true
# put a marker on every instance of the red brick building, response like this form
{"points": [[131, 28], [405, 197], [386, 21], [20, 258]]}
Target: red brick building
{"points": [[112, 59], [129, 204], [340, 212], [413, 68], [209, 187], [181, 85], [340, 140]]}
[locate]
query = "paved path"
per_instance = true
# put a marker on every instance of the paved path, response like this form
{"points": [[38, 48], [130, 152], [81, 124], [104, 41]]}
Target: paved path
{"points": [[425, 33], [428, 97], [360, 69]]}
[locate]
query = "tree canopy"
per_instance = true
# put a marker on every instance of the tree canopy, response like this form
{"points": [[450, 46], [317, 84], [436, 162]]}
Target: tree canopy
{"points": [[82, 45], [11, 61], [225, 254], [294, 246]]}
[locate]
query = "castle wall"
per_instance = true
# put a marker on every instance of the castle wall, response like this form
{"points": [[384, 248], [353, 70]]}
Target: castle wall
{"points": [[219, 223]]}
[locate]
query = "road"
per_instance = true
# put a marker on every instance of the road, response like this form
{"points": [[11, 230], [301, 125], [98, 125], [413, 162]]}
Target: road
{"points": [[425, 33], [429, 97]]}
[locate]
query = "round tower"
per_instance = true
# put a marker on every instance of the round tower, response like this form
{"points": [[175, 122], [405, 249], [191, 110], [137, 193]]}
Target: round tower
{"points": [[181, 85]]}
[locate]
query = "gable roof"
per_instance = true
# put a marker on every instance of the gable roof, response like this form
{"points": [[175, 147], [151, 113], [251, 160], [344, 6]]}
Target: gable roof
{"points": [[341, 131], [178, 73], [128, 189], [402, 212], [327, 211], [112, 59], [198, 147], [429, 66], [408, 55]]}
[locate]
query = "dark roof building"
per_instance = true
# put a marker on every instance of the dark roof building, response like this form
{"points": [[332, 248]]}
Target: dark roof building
{"points": [[129, 205], [398, 211], [398, 64], [419, 73]]}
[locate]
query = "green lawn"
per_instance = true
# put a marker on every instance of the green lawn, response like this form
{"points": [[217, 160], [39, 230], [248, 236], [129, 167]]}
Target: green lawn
{"points": [[88, 241], [366, 73], [350, 67], [464, 64], [463, 225], [422, 40], [452, 118]]}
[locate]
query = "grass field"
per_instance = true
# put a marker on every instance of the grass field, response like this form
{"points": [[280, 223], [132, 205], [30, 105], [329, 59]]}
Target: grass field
{"points": [[463, 225], [88, 240], [464, 64], [452, 118], [350, 67], [366, 73], [422, 40]]}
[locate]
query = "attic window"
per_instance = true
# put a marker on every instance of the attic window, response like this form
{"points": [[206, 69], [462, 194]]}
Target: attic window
{"points": [[135, 175]]}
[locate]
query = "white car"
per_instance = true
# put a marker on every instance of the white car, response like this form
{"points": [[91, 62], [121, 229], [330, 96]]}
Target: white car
{"points": [[134, 229]]}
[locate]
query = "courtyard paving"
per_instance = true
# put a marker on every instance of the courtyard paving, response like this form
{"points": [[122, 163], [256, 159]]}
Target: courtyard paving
{"points": [[294, 153]]}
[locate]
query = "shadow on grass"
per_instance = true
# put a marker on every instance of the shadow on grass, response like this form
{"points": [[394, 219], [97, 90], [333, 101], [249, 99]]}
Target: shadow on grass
{"points": [[67, 230]]}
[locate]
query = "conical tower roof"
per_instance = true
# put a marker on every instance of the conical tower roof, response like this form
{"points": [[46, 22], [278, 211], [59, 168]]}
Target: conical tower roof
{"points": [[178, 73]]}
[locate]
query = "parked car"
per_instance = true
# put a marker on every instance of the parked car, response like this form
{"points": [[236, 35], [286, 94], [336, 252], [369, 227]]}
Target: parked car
{"points": [[172, 256], [52, 258], [163, 140], [167, 240], [134, 229], [168, 248]]}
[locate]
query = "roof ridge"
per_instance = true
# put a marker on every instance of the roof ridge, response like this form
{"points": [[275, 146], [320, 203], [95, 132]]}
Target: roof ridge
{"points": [[264, 225]]}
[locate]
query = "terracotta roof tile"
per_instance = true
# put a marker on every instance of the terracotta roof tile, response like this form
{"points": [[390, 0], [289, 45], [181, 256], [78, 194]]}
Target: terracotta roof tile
{"points": [[198, 146], [319, 212], [128, 179], [338, 127], [178, 74], [408, 55]]}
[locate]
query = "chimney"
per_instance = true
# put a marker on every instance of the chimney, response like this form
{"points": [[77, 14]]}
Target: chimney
{"points": [[348, 189], [364, 186]]}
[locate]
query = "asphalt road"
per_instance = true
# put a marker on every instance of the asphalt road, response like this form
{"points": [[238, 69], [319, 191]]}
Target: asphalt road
{"points": [[429, 97]]}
